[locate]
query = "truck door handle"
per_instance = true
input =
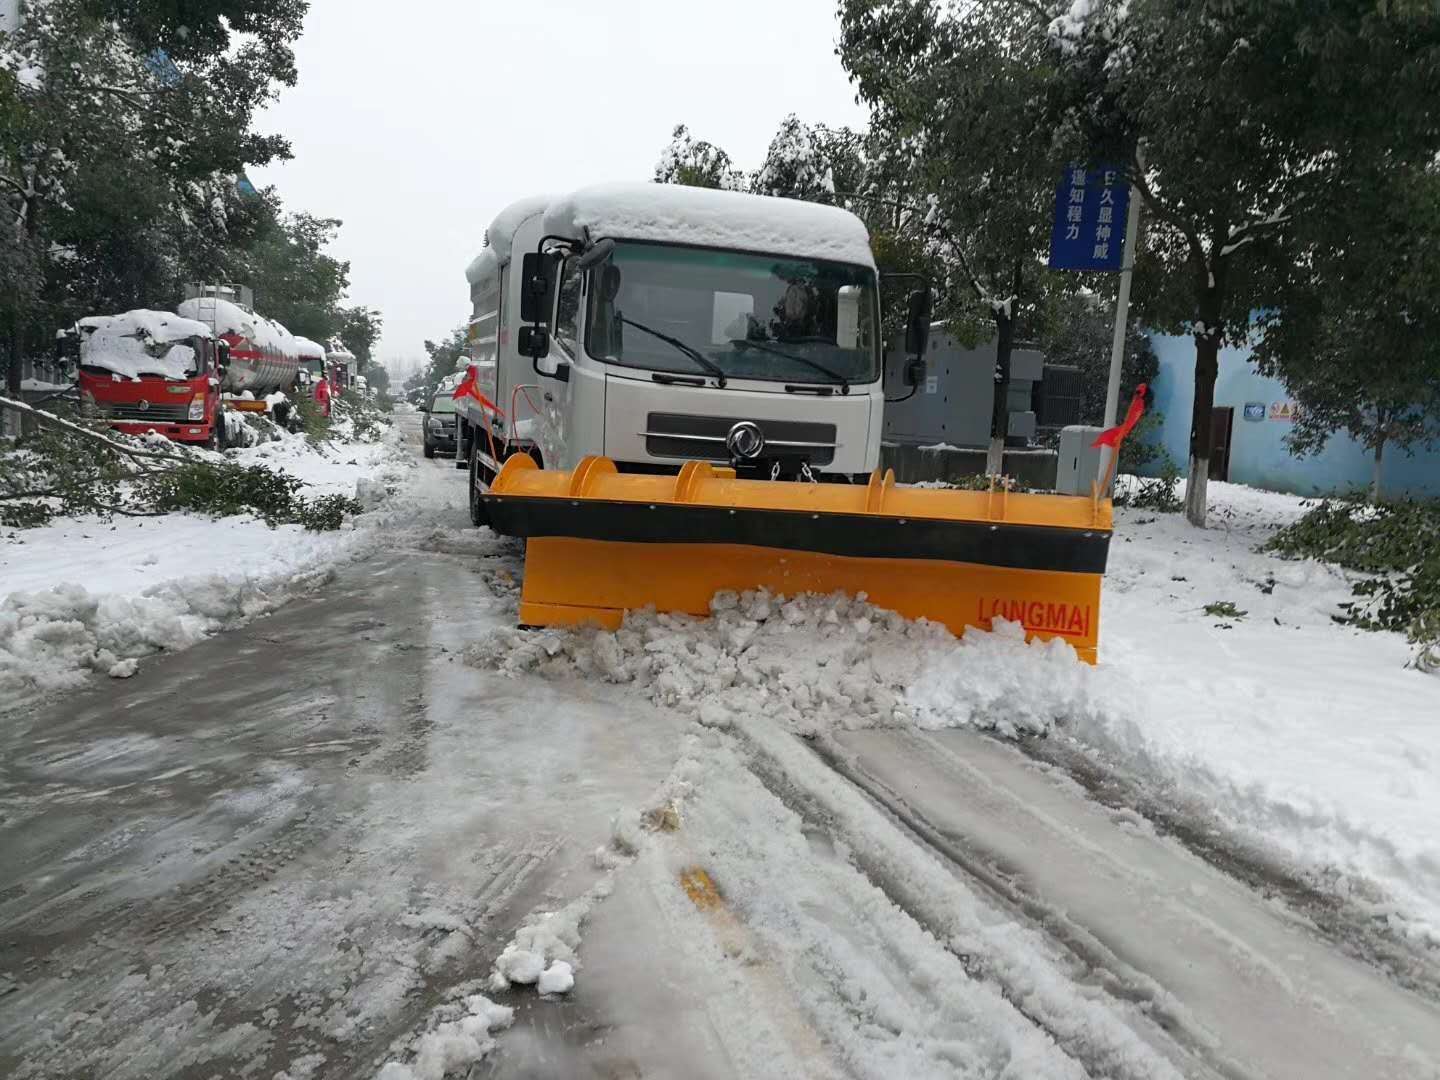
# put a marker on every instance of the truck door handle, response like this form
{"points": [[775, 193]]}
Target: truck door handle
{"points": [[549, 397]]}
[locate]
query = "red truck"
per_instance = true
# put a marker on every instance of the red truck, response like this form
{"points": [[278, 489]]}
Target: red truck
{"points": [[177, 374]]}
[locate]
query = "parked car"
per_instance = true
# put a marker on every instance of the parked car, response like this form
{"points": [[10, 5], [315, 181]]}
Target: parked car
{"points": [[439, 424]]}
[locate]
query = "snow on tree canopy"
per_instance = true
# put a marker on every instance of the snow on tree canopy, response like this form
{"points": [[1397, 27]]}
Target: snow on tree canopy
{"points": [[142, 342], [501, 234], [704, 217]]}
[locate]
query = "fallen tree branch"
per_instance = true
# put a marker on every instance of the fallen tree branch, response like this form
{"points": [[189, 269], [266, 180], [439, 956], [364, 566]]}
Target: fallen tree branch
{"points": [[6, 495], [27, 409]]}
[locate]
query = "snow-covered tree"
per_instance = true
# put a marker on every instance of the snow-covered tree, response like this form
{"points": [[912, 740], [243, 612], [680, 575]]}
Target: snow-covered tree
{"points": [[1239, 121], [959, 98], [811, 162], [1354, 332], [696, 163], [126, 128]]}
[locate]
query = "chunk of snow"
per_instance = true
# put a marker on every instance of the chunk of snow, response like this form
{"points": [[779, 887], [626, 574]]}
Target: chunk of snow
{"points": [[675, 214], [520, 965], [451, 1046], [558, 978]]}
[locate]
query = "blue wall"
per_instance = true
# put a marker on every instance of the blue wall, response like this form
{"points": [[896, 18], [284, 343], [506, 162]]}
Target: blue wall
{"points": [[1258, 454]]}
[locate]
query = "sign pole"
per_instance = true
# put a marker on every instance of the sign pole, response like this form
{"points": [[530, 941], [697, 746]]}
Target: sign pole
{"points": [[1117, 343]]}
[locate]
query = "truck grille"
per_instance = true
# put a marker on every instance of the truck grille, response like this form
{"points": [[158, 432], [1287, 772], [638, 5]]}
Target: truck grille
{"points": [[676, 435], [158, 414]]}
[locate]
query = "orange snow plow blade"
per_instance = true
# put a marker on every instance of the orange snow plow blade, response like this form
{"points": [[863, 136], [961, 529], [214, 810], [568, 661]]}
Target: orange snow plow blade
{"points": [[601, 542]]}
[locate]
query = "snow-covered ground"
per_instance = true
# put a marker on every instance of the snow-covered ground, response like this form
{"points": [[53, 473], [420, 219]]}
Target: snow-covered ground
{"points": [[1308, 740], [428, 839], [86, 594]]}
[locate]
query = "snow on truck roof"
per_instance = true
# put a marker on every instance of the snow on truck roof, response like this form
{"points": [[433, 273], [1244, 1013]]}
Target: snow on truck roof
{"points": [[230, 318], [672, 213], [501, 235], [142, 342], [155, 327], [309, 349]]}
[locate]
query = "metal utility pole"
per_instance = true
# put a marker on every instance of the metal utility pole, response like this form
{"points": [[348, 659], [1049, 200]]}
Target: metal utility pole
{"points": [[1122, 314]]}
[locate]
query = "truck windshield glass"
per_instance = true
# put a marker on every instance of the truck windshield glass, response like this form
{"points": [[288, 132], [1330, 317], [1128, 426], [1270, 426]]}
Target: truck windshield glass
{"points": [[133, 356], [443, 403], [752, 316]]}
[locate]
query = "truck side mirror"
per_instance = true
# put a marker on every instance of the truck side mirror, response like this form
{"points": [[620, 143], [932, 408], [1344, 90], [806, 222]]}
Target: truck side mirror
{"points": [[917, 323], [596, 253], [536, 270], [533, 341], [222, 355]]}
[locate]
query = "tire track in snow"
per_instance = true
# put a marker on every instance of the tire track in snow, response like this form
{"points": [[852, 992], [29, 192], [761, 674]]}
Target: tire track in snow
{"points": [[1118, 979], [1362, 935], [914, 875]]}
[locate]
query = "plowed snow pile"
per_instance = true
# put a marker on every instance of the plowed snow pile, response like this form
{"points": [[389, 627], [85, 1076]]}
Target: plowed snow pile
{"points": [[817, 662]]}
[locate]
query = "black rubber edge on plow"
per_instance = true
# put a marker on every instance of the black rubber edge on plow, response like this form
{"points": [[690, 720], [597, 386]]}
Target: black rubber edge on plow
{"points": [[1016, 547]]}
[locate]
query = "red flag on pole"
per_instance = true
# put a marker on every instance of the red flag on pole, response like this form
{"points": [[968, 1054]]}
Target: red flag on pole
{"points": [[1116, 435], [469, 387]]}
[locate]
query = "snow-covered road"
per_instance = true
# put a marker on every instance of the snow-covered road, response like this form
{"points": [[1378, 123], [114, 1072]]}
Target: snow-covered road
{"points": [[772, 845]]}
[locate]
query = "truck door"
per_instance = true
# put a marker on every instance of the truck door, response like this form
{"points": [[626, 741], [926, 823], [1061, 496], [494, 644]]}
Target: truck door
{"points": [[565, 347]]}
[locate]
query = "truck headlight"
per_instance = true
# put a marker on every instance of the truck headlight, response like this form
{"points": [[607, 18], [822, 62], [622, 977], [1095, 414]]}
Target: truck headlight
{"points": [[197, 407]]}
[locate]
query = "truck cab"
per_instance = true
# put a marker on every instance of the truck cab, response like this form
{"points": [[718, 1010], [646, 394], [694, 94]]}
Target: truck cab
{"points": [[655, 325], [151, 371]]}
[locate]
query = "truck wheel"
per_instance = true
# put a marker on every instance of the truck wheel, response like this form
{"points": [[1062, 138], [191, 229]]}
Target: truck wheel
{"points": [[428, 450], [219, 434], [478, 514]]}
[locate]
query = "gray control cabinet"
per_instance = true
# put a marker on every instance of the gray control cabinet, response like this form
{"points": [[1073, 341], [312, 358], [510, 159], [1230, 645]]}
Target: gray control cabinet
{"points": [[1079, 464], [953, 405]]}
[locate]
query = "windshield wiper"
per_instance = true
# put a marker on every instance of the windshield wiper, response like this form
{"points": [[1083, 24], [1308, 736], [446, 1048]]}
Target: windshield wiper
{"points": [[746, 343], [689, 350]]}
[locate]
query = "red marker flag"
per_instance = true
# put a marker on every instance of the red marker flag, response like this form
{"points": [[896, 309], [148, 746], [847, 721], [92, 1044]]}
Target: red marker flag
{"points": [[1116, 435], [469, 387]]}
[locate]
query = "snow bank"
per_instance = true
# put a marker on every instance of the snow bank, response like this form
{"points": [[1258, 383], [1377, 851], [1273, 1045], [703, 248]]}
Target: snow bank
{"points": [[87, 595], [142, 342], [672, 213]]}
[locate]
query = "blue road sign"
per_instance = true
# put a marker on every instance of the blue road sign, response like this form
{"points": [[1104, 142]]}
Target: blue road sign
{"points": [[1089, 228]]}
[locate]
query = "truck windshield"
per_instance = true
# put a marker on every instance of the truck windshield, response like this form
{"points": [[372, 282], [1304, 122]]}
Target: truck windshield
{"points": [[443, 402], [132, 356], [752, 316]]}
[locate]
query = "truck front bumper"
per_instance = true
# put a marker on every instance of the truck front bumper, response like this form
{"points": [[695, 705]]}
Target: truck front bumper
{"points": [[196, 433]]}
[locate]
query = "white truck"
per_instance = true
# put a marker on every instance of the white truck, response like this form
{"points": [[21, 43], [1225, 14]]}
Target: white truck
{"points": [[656, 324]]}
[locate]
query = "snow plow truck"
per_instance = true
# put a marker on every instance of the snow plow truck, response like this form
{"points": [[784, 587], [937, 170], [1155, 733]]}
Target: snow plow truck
{"points": [[673, 391], [177, 374]]}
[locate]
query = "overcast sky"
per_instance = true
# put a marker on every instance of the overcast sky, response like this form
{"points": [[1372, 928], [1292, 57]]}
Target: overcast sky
{"points": [[415, 123]]}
